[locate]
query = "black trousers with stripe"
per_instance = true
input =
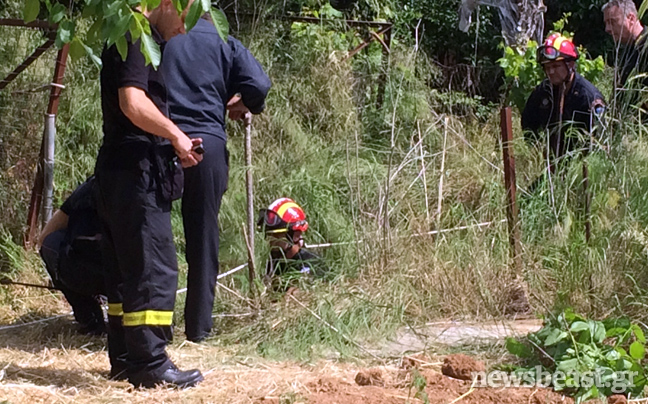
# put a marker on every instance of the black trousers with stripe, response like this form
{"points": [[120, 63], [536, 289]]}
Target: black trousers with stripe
{"points": [[140, 265], [204, 187]]}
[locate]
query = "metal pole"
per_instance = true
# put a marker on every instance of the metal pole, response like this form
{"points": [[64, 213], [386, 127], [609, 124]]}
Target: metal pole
{"points": [[509, 182], [518, 300], [382, 78], [249, 187], [48, 166], [588, 201], [39, 181]]}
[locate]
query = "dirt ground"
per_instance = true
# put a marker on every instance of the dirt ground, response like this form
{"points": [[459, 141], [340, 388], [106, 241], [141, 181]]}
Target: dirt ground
{"points": [[49, 364]]}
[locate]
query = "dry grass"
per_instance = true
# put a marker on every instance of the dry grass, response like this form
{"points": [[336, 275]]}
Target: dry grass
{"points": [[60, 367]]}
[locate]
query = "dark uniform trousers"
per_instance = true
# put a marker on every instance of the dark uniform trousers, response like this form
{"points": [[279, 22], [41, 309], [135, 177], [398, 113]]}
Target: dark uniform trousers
{"points": [[87, 309], [204, 187], [141, 267]]}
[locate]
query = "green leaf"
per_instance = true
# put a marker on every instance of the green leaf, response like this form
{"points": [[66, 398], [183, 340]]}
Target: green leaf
{"points": [[567, 366], [195, 11], [94, 32], [96, 59], [220, 22], [57, 13], [120, 27], [31, 10], [65, 33], [76, 49], [151, 50], [518, 348], [180, 5], [152, 4], [598, 332], [578, 326], [613, 355], [637, 350], [616, 331], [89, 10], [122, 47], [585, 395], [111, 8], [555, 336], [135, 29], [638, 333]]}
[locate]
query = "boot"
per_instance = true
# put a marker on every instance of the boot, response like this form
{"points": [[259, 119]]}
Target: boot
{"points": [[172, 377]]}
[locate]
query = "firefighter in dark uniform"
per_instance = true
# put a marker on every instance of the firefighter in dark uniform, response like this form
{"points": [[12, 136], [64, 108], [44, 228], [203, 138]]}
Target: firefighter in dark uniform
{"points": [[284, 224], [70, 248], [137, 178], [202, 73], [565, 104], [625, 27]]}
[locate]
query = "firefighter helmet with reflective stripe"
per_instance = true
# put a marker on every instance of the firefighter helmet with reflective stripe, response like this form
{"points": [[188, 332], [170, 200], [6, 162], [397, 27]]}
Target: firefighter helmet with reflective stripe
{"points": [[557, 47], [283, 215]]}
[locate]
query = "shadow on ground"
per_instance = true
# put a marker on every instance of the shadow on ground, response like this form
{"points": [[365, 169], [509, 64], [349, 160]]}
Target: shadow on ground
{"points": [[55, 333]]}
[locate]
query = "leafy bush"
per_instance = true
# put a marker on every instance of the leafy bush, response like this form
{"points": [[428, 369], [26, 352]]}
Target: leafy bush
{"points": [[577, 346]]}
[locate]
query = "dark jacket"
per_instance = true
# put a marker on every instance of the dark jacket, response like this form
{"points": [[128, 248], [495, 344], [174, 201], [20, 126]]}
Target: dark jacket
{"points": [[634, 64], [583, 102], [80, 266]]}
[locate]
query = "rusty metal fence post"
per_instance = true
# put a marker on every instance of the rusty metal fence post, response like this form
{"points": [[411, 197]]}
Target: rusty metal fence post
{"points": [[518, 300]]}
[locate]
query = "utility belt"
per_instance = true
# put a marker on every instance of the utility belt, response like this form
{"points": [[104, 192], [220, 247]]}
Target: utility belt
{"points": [[167, 168], [156, 156]]}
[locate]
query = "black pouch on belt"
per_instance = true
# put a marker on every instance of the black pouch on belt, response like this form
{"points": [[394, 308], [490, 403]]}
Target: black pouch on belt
{"points": [[170, 176]]}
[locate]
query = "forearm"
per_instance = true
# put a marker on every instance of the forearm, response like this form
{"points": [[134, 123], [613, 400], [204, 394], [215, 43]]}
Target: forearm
{"points": [[144, 114], [58, 221]]}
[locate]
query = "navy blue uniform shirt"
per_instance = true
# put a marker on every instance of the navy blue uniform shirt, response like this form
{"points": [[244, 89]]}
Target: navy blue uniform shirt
{"points": [[542, 111], [214, 71]]}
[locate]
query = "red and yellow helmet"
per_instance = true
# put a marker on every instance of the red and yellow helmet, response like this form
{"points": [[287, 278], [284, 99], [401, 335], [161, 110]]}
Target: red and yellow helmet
{"points": [[557, 47], [283, 215]]}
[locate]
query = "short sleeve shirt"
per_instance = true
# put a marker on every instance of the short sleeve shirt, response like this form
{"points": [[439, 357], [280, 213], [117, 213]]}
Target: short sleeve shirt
{"points": [[132, 72]]}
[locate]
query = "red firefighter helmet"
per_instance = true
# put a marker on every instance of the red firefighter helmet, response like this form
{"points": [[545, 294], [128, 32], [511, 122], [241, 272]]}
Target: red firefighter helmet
{"points": [[283, 215], [557, 47]]}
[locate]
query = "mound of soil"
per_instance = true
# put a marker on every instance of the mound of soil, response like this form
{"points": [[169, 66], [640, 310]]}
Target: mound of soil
{"points": [[461, 367], [370, 377], [440, 390], [617, 399]]}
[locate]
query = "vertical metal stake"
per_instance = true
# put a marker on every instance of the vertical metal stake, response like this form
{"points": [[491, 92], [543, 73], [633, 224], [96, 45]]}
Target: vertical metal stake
{"points": [[509, 182], [518, 299], [48, 166], [588, 201], [249, 187], [39, 181]]}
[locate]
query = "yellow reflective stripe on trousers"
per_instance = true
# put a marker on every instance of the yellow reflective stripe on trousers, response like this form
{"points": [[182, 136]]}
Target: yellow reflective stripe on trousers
{"points": [[148, 317], [115, 309]]}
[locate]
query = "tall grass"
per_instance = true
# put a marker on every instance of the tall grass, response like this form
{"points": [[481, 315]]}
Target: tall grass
{"points": [[370, 176]]}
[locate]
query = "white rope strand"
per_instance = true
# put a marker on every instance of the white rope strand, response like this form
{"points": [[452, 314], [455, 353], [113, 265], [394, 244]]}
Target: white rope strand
{"points": [[414, 235], [230, 272]]}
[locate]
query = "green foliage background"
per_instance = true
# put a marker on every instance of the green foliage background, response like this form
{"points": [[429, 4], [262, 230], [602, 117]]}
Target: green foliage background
{"points": [[368, 174]]}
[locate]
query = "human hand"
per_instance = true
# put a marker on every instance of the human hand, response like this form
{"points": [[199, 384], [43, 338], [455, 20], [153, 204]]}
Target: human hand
{"points": [[183, 146], [236, 108], [195, 155]]}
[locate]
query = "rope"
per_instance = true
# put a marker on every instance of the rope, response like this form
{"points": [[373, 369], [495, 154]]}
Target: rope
{"points": [[231, 271], [9, 327], [238, 268], [414, 235]]}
